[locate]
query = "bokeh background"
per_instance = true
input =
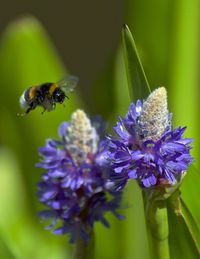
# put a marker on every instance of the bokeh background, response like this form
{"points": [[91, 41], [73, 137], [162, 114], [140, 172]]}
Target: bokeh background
{"points": [[42, 41]]}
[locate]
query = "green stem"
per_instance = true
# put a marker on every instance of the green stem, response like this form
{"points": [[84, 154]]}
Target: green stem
{"points": [[157, 227], [85, 250]]}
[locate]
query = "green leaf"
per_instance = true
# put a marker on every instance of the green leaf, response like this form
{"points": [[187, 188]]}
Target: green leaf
{"points": [[122, 92], [132, 230], [191, 223], [5, 251], [137, 81], [184, 237], [190, 191]]}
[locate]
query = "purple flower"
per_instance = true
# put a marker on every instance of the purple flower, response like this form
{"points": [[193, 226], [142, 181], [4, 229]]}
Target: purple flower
{"points": [[146, 147], [76, 187]]}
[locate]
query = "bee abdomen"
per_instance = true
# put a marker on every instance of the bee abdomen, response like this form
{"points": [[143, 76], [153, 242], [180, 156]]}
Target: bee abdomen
{"points": [[30, 93], [23, 101], [52, 89]]}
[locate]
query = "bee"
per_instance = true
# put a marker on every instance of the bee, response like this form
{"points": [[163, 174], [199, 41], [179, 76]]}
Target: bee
{"points": [[47, 94]]}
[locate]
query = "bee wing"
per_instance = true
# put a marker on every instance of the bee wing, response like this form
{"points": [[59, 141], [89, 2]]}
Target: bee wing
{"points": [[68, 83]]}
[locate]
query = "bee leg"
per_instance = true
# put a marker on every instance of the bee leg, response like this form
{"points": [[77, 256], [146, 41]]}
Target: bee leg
{"points": [[26, 112], [32, 106], [43, 111], [29, 109]]}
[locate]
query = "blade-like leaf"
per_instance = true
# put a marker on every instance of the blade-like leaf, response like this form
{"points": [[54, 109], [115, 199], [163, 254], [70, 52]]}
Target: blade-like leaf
{"points": [[137, 81], [5, 250], [133, 76], [191, 223], [184, 231], [190, 191]]}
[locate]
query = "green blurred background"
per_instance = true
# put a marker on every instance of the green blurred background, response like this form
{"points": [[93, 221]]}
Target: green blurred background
{"points": [[41, 41]]}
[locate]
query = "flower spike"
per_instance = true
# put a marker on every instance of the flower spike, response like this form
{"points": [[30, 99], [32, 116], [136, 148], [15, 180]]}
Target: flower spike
{"points": [[146, 147]]}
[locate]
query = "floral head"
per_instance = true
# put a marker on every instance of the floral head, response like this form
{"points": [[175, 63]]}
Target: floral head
{"points": [[76, 186], [146, 147]]}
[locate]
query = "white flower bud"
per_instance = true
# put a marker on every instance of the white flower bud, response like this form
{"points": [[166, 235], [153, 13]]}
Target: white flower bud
{"points": [[82, 138]]}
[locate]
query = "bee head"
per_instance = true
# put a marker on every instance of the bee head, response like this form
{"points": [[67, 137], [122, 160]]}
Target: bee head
{"points": [[59, 96]]}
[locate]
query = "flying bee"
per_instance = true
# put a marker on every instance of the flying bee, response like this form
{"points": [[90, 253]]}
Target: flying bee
{"points": [[47, 94]]}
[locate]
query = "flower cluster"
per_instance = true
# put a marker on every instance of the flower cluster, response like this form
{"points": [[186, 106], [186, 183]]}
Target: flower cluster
{"points": [[76, 186], [85, 173], [147, 148]]}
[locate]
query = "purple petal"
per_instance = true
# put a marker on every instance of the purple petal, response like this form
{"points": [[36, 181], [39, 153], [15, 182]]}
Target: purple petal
{"points": [[149, 181], [185, 141], [46, 151], [173, 147], [60, 231], [62, 129], [47, 214], [132, 173], [136, 155], [169, 176], [56, 205], [118, 128], [48, 195], [56, 173]]}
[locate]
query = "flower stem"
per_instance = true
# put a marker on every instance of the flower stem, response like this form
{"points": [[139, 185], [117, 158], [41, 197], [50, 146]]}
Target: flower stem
{"points": [[84, 250], [157, 228]]}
